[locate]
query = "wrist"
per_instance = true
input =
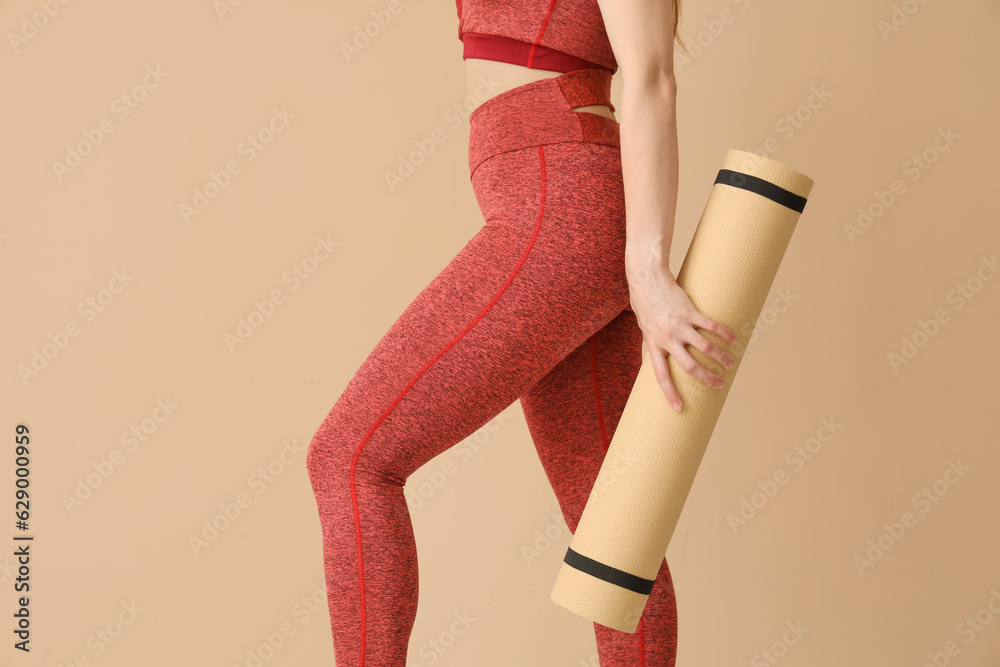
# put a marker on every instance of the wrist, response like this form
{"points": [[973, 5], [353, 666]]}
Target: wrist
{"points": [[651, 256]]}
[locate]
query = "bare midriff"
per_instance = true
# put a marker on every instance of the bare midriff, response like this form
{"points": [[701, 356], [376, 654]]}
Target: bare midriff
{"points": [[510, 76]]}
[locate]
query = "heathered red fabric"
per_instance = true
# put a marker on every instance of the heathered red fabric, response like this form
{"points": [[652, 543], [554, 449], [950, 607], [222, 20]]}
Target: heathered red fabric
{"points": [[534, 307], [558, 35]]}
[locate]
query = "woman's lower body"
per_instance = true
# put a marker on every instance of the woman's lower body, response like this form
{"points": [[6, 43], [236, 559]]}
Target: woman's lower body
{"points": [[535, 307]]}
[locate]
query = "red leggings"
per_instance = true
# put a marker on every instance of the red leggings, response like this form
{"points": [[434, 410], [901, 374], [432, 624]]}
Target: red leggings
{"points": [[535, 307]]}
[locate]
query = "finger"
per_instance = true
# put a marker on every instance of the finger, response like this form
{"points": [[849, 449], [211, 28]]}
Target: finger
{"points": [[723, 358], [662, 373], [718, 328], [696, 370]]}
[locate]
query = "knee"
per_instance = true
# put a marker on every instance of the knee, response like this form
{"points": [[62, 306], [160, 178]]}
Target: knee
{"points": [[328, 457], [343, 448]]}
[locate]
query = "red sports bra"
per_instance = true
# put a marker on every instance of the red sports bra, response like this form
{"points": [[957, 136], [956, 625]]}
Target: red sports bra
{"points": [[564, 36]]}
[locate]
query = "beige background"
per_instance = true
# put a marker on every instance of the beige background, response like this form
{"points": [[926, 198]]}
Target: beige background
{"points": [[162, 336]]}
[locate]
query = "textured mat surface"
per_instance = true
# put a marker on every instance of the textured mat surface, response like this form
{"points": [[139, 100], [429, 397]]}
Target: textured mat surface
{"points": [[626, 526]]}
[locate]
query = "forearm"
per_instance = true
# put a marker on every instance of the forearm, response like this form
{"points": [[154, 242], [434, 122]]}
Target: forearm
{"points": [[648, 130]]}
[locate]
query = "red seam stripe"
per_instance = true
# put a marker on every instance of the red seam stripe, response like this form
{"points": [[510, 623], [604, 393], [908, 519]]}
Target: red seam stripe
{"points": [[545, 24], [384, 415], [642, 644]]}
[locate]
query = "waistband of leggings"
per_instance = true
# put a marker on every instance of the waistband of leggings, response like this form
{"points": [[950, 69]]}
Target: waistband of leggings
{"points": [[541, 112]]}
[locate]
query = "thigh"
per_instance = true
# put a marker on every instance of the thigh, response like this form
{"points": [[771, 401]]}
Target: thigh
{"points": [[573, 411], [543, 273]]}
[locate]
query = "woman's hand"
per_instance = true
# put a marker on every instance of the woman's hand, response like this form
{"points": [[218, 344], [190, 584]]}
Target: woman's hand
{"points": [[668, 320]]}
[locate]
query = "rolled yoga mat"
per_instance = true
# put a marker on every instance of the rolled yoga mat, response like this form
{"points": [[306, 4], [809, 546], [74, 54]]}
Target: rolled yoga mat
{"points": [[614, 556]]}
